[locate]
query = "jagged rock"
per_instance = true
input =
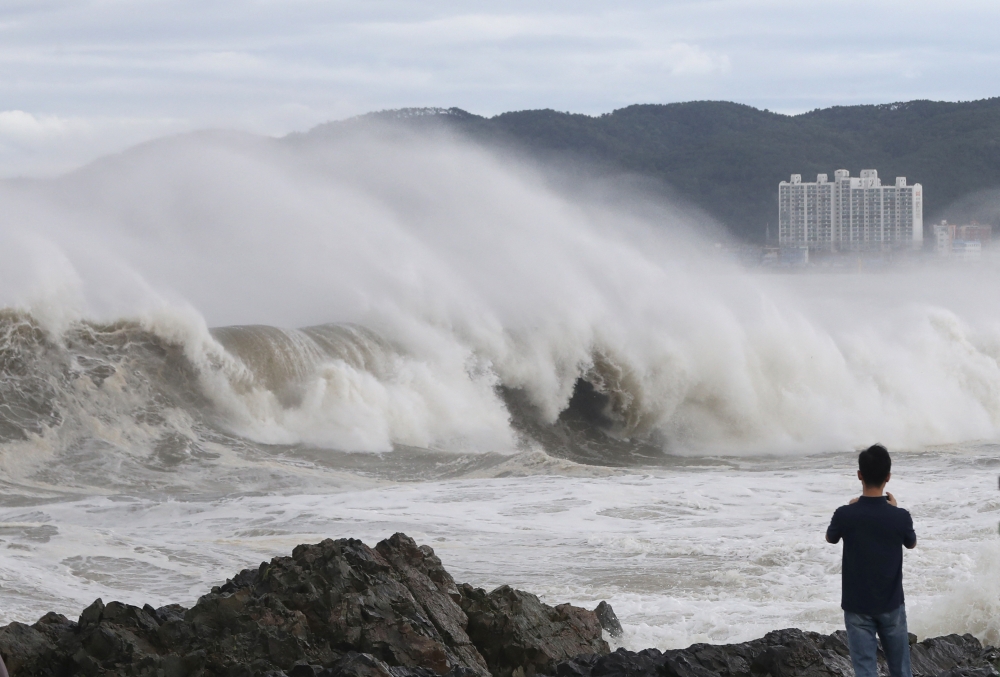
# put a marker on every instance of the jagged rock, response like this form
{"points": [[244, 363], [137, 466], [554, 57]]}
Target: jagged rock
{"points": [[989, 671], [435, 590], [21, 644], [783, 653], [520, 636], [935, 655], [337, 608], [793, 653], [357, 598], [608, 620]]}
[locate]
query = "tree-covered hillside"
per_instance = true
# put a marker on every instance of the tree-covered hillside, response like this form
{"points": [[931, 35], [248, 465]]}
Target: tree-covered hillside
{"points": [[728, 158]]}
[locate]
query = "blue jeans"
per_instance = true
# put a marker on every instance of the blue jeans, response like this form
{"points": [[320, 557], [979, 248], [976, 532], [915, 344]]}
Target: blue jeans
{"points": [[891, 629]]}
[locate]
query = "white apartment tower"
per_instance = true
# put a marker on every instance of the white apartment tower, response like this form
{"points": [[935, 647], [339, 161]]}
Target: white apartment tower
{"points": [[850, 213]]}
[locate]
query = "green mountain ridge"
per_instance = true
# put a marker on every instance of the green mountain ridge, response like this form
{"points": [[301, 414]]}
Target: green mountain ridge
{"points": [[728, 158]]}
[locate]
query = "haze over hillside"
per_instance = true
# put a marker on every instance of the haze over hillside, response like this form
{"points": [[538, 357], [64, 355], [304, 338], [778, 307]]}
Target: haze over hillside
{"points": [[728, 158]]}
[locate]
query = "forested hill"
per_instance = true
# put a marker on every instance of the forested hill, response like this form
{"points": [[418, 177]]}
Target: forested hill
{"points": [[728, 158]]}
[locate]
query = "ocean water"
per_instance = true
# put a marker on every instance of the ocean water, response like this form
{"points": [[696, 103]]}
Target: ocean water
{"points": [[215, 347]]}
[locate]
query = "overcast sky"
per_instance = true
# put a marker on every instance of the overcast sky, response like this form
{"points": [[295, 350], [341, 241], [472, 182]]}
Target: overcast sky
{"points": [[81, 78]]}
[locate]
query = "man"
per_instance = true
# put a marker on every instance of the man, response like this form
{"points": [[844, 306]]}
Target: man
{"points": [[875, 531]]}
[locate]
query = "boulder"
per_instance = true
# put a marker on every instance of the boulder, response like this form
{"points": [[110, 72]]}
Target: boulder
{"points": [[933, 656], [20, 645], [520, 636], [608, 620]]}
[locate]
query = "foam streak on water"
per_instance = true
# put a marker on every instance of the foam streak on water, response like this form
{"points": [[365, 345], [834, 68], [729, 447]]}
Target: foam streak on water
{"points": [[714, 552]]}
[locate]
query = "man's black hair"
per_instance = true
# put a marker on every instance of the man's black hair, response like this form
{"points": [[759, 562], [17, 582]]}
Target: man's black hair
{"points": [[874, 464]]}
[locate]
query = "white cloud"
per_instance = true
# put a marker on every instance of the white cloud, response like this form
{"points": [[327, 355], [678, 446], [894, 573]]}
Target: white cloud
{"points": [[685, 59], [75, 69], [49, 144], [19, 126]]}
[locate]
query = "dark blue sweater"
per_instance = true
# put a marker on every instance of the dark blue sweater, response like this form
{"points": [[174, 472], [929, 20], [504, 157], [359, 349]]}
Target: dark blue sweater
{"points": [[874, 534]]}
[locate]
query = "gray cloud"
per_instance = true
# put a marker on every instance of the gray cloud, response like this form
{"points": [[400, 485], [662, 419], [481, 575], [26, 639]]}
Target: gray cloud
{"points": [[146, 67]]}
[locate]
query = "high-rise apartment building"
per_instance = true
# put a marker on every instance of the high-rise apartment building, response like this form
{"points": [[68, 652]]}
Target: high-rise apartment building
{"points": [[850, 213]]}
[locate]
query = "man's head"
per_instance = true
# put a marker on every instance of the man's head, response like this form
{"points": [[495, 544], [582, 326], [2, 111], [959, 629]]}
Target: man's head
{"points": [[874, 465]]}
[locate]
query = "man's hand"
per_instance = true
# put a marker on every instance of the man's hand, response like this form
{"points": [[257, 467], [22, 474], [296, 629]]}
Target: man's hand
{"points": [[853, 501], [892, 499]]}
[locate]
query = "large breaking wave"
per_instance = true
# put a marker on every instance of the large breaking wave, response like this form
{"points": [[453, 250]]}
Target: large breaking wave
{"points": [[379, 291]]}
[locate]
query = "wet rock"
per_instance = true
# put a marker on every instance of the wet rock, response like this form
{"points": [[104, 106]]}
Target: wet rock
{"points": [[791, 652], [608, 620], [933, 656], [342, 609], [784, 653], [988, 671], [358, 665], [382, 602], [20, 644], [336, 608], [435, 591], [520, 636]]}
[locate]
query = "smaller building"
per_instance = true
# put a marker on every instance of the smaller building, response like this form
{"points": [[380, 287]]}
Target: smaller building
{"points": [[965, 243], [944, 236], [967, 250], [975, 232]]}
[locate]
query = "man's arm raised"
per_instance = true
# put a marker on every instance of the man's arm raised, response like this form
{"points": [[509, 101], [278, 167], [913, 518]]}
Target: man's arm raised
{"points": [[910, 537], [833, 531]]}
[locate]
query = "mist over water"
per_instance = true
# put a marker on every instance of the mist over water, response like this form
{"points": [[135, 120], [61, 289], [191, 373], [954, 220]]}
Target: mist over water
{"points": [[249, 343]]}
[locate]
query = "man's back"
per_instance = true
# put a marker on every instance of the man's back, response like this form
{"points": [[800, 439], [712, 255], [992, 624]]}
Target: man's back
{"points": [[874, 534]]}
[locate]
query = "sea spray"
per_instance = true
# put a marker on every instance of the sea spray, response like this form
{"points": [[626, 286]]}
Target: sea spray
{"points": [[216, 347], [464, 274]]}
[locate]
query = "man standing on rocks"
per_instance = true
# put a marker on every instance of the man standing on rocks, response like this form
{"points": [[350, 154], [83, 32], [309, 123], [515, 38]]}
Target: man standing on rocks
{"points": [[875, 531]]}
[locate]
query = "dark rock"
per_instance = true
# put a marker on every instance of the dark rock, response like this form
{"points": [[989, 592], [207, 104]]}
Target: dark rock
{"points": [[342, 609], [991, 656], [608, 620], [793, 653], [333, 608], [783, 653], [355, 599], [933, 656], [623, 662], [683, 665], [578, 666], [988, 671], [435, 591], [519, 635], [20, 644], [790, 652], [355, 664], [92, 614]]}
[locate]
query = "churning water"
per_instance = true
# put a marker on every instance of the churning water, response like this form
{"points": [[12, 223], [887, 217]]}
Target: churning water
{"points": [[213, 348]]}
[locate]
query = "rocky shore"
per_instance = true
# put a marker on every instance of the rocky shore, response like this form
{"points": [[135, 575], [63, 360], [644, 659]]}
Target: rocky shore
{"points": [[342, 609]]}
